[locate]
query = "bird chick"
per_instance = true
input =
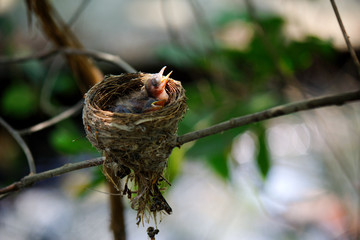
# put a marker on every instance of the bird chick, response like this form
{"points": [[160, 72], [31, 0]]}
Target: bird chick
{"points": [[155, 85], [151, 98]]}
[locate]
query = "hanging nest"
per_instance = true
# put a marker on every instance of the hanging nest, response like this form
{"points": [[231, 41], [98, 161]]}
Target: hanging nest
{"points": [[135, 145]]}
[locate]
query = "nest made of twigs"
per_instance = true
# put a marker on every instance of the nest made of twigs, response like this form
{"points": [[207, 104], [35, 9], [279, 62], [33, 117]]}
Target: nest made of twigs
{"points": [[140, 142]]}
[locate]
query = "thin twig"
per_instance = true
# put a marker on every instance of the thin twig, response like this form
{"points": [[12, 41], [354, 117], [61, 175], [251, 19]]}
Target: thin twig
{"points": [[37, 56], [167, 15], [117, 224], [97, 55], [102, 56], [22, 144], [173, 33], [201, 21], [346, 37], [34, 178], [54, 67], [336, 99], [78, 12], [46, 91], [52, 121]]}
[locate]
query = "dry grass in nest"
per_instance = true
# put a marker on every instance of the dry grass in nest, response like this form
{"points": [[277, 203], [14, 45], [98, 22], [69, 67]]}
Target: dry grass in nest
{"points": [[140, 142]]}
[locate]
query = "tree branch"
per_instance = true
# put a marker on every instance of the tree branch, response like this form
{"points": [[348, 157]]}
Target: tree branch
{"points": [[22, 144], [336, 99], [117, 224], [52, 121], [346, 37], [97, 55], [102, 56], [37, 56], [34, 178], [78, 12]]}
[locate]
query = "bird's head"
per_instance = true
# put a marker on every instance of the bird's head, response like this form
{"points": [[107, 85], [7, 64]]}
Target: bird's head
{"points": [[155, 85]]}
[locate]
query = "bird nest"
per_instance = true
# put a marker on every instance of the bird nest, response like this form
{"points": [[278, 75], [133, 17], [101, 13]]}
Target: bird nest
{"points": [[136, 146]]}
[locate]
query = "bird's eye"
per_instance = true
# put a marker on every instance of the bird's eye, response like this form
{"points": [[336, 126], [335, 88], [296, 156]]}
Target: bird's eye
{"points": [[155, 82]]}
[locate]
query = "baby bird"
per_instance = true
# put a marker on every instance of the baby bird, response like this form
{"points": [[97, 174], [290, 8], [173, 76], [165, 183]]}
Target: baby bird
{"points": [[151, 98]]}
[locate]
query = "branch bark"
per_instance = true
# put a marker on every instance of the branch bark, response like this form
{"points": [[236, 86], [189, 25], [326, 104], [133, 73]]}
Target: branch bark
{"points": [[346, 37], [97, 55], [52, 121], [55, 29], [336, 99], [117, 224], [22, 144], [34, 178]]}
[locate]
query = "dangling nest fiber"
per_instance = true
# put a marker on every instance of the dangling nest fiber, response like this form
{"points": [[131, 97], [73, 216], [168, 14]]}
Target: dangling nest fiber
{"points": [[140, 142]]}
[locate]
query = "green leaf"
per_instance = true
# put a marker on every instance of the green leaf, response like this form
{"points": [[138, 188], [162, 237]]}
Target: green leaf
{"points": [[214, 150], [229, 16], [6, 27], [214, 144], [263, 158], [34, 71], [97, 178], [176, 55], [218, 162], [261, 101], [273, 25], [65, 84], [175, 163], [67, 138], [19, 100]]}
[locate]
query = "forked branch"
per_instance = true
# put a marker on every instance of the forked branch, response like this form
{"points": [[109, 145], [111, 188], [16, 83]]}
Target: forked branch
{"points": [[336, 100], [15, 134], [54, 120], [97, 55]]}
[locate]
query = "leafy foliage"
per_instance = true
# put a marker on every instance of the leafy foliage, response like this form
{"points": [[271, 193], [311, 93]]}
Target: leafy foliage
{"points": [[19, 100], [67, 139], [263, 160], [229, 82]]}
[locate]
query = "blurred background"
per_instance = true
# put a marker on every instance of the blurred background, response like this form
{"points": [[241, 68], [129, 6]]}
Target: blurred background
{"points": [[292, 177]]}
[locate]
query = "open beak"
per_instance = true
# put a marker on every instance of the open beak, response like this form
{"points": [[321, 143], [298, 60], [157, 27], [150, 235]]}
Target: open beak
{"points": [[159, 104], [164, 79], [155, 106]]}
